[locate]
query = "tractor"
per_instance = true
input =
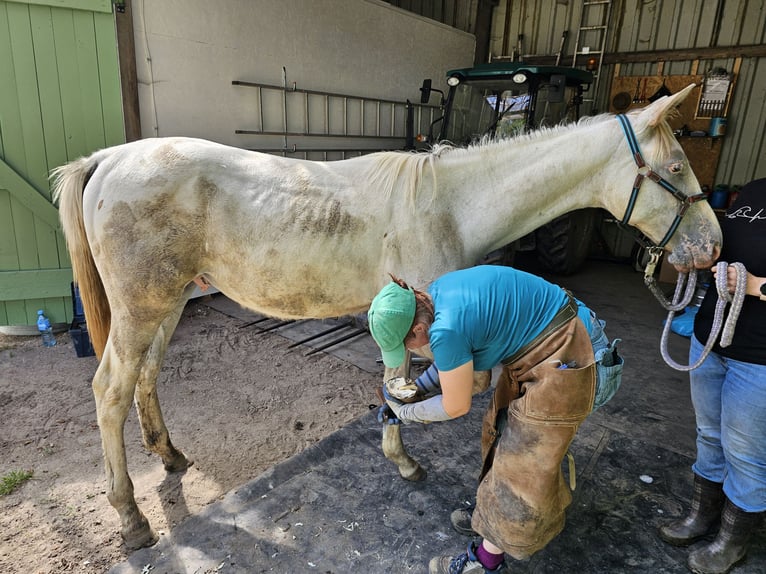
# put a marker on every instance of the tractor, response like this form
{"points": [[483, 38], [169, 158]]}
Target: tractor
{"points": [[505, 99]]}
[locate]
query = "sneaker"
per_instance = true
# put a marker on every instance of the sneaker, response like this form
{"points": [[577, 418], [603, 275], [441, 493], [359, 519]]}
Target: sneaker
{"points": [[461, 521], [465, 563]]}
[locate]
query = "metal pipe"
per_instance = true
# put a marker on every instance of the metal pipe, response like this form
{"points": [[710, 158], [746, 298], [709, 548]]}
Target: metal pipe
{"points": [[277, 326], [251, 323], [319, 335], [337, 341]]}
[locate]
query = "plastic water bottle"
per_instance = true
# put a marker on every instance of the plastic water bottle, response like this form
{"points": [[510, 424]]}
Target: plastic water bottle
{"points": [[46, 331]]}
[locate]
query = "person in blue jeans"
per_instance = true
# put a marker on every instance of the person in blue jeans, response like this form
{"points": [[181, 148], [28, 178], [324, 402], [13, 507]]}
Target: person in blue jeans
{"points": [[729, 396], [557, 365]]}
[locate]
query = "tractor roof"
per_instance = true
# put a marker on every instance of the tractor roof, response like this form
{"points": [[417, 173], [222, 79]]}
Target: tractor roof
{"points": [[498, 70]]}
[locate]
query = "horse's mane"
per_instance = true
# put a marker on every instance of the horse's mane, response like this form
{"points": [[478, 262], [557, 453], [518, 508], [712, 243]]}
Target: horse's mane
{"points": [[401, 172]]}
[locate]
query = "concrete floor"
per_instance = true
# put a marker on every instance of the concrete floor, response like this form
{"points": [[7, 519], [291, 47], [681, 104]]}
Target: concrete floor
{"points": [[340, 507]]}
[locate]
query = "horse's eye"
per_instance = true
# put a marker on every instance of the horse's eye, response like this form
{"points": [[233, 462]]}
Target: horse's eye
{"points": [[676, 167]]}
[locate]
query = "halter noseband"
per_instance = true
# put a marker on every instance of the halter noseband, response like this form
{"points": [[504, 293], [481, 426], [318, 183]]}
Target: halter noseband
{"points": [[644, 172]]}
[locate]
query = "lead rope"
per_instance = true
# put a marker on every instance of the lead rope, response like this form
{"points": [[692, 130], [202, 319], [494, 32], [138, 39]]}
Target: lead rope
{"points": [[678, 303], [724, 297]]}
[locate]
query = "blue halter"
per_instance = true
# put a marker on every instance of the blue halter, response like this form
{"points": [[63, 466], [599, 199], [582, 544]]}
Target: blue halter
{"points": [[644, 172]]}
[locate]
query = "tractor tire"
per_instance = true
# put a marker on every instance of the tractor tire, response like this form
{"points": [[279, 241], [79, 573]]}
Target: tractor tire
{"points": [[563, 244], [505, 256]]}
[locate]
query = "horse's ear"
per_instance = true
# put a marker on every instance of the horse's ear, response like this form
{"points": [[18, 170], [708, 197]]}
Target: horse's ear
{"points": [[657, 112]]}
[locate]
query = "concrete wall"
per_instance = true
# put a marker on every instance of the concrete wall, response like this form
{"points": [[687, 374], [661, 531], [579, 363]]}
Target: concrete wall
{"points": [[189, 51]]}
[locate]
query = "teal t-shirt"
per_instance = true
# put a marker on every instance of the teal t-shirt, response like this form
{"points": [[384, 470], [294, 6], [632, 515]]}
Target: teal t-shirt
{"points": [[487, 313]]}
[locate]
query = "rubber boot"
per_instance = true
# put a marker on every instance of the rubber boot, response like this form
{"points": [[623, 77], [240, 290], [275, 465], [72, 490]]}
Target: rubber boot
{"points": [[703, 517], [730, 546]]}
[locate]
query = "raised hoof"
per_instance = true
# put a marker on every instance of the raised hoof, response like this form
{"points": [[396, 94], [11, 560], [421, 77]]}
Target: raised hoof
{"points": [[414, 476], [140, 537]]}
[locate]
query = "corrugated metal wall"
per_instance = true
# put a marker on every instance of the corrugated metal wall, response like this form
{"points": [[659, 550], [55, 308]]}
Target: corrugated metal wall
{"points": [[535, 27]]}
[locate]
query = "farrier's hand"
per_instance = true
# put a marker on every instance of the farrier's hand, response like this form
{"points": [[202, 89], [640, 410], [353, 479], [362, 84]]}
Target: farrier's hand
{"points": [[387, 416], [393, 403]]}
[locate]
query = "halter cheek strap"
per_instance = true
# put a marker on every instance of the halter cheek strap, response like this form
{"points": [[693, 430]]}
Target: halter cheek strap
{"points": [[645, 171]]}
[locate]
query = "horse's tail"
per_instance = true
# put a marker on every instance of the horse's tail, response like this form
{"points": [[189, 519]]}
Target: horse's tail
{"points": [[68, 187]]}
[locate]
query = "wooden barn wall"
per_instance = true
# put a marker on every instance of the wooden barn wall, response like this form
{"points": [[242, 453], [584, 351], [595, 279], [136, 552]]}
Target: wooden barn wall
{"points": [[535, 27], [59, 99]]}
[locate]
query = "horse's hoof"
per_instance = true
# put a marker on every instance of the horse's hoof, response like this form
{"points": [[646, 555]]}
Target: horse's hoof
{"points": [[178, 463], [414, 476], [140, 537]]}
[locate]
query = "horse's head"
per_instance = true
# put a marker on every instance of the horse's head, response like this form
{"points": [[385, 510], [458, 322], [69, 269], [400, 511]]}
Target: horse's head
{"points": [[665, 202]]}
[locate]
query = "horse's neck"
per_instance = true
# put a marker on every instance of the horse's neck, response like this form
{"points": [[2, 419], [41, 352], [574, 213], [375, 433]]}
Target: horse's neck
{"points": [[503, 191]]}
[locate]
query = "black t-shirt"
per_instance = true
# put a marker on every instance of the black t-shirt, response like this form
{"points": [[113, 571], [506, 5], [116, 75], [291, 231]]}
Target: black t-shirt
{"points": [[744, 240]]}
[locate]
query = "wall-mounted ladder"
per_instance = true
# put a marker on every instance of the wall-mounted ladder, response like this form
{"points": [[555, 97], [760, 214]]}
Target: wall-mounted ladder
{"points": [[337, 125], [591, 42]]}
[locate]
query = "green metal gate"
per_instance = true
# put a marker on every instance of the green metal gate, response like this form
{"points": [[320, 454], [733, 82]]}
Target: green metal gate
{"points": [[59, 99]]}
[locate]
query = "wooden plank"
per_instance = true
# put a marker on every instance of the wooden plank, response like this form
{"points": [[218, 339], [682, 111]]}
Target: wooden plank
{"points": [[9, 259], [35, 167], [87, 5], [109, 76], [16, 313], [24, 228], [128, 75], [48, 82], [28, 195], [90, 91], [703, 155], [110, 86], [34, 284], [653, 56], [70, 81], [9, 103]]}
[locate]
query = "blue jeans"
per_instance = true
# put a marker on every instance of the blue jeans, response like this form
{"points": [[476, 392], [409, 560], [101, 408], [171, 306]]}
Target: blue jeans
{"points": [[729, 400], [609, 364]]}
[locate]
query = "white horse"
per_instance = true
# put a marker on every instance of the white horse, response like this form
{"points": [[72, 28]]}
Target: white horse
{"points": [[301, 239]]}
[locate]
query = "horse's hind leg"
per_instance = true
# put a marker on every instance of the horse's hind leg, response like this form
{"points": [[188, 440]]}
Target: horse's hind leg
{"points": [[113, 387], [155, 433]]}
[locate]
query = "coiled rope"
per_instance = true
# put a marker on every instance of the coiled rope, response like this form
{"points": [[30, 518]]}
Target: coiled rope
{"points": [[724, 298]]}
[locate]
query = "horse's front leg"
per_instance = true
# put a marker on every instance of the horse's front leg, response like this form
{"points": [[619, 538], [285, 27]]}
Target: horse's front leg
{"points": [[393, 447], [113, 386]]}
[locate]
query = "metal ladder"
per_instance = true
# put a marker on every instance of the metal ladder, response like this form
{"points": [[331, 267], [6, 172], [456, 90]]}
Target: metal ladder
{"points": [[594, 25]]}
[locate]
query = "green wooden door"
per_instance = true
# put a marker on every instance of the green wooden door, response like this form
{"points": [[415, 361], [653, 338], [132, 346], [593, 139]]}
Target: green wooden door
{"points": [[59, 99]]}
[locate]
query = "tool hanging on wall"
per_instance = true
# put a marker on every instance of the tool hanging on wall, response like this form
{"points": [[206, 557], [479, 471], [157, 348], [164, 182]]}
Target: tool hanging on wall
{"points": [[638, 89], [561, 46]]}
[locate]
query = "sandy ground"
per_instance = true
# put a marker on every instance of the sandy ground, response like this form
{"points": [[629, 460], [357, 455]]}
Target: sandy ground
{"points": [[234, 402]]}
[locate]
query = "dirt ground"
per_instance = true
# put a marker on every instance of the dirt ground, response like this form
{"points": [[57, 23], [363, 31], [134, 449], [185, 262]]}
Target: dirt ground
{"points": [[235, 402]]}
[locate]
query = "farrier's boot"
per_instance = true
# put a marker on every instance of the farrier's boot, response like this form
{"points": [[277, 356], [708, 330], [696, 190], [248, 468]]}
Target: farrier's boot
{"points": [[703, 517], [730, 546]]}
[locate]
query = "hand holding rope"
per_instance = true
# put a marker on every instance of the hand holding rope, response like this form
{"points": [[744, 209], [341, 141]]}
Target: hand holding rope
{"points": [[724, 298]]}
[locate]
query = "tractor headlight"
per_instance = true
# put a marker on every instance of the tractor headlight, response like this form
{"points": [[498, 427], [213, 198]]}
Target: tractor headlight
{"points": [[519, 78]]}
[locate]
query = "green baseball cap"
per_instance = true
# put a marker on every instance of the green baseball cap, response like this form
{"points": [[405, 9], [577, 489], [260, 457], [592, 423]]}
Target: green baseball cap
{"points": [[390, 318]]}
